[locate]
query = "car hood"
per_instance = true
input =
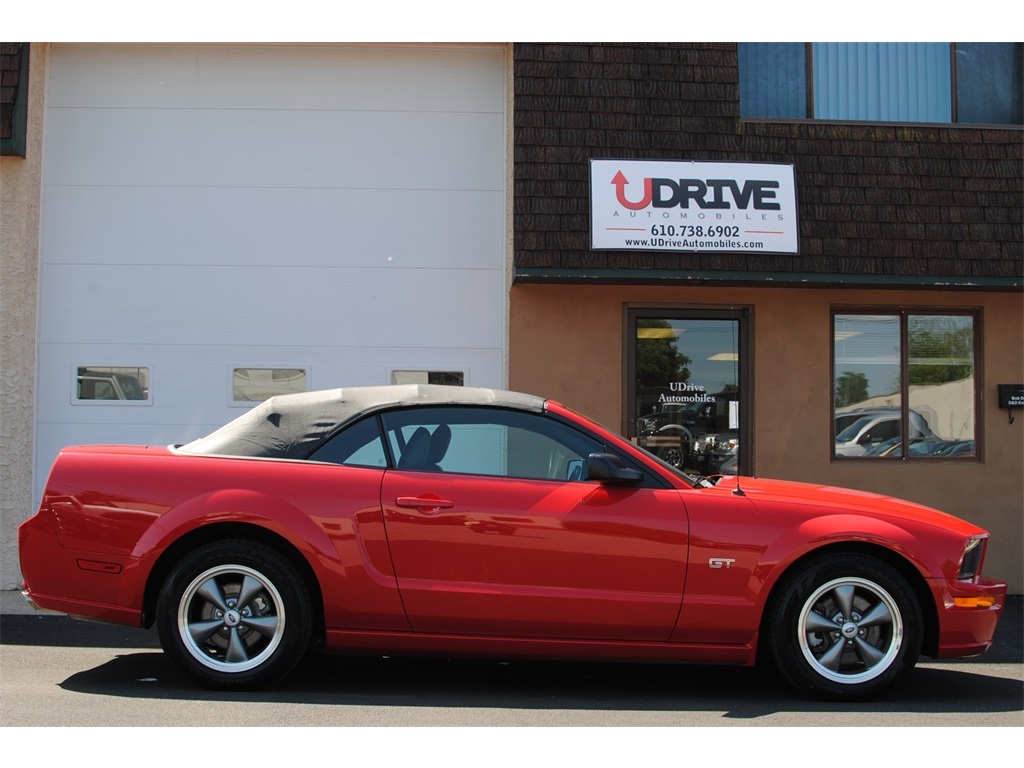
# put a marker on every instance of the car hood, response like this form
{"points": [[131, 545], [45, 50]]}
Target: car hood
{"points": [[767, 493]]}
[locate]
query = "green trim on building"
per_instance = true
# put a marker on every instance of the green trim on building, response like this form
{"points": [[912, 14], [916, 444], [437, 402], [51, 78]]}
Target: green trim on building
{"points": [[769, 279]]}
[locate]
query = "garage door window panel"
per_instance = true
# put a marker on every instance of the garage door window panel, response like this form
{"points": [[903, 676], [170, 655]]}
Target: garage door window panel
{"points": [[111, 385], [254, 385]]}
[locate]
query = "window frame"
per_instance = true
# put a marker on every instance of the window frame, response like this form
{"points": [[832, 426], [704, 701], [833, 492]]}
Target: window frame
{"points": [[904, 313]]}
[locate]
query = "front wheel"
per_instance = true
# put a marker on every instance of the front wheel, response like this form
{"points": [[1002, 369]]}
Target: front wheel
{"points": [[845, 628], [677, 453], [234, 615]]}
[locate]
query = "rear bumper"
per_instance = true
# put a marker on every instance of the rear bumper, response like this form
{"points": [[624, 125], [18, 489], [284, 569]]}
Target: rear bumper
{"points": [[29, 599], [967, 631], [83, 584]]}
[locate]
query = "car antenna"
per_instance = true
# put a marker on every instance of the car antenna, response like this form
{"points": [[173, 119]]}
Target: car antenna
{"points": [[737, 491]]}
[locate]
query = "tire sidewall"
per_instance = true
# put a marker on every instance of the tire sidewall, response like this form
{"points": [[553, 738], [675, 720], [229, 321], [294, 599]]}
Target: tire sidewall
{"points": [[270, 566], [785, 625]]}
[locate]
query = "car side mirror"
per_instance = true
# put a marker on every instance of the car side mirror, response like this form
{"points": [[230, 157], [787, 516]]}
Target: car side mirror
{"points": [[608, 469]]}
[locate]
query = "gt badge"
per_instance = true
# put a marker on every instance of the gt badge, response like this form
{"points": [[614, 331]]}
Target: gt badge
{"points": [[721, 562]]}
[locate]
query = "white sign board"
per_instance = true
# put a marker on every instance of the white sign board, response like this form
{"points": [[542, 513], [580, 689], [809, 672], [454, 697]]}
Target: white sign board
{"points": [[653, 205]]}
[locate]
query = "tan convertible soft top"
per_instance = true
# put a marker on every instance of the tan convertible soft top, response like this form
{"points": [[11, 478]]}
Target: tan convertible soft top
{"points": [[293, 426]]}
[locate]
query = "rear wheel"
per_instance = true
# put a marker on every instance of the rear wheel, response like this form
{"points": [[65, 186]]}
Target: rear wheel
{"points": [[846, 627], [234, 614]]}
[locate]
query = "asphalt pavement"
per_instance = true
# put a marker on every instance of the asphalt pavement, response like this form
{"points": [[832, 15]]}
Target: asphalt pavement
{"points": [[1008, 647], [57, 671]]}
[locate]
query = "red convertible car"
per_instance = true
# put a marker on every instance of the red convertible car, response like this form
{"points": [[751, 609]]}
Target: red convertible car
{"points": [[449, 520]]}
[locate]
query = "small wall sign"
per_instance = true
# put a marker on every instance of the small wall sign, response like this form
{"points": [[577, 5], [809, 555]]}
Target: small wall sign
{"points": [[1011, 396]]}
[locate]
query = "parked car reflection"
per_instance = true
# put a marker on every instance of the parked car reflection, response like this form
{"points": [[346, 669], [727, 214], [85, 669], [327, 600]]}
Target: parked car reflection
{"points": [[959, 448], [108, 384], [684, 434], [873, 429], [923, 446], [726, 448], [730, 466]]}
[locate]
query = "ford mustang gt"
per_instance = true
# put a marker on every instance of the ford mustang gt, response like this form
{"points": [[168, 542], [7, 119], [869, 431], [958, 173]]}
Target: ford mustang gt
{"points": [[448, 520]]}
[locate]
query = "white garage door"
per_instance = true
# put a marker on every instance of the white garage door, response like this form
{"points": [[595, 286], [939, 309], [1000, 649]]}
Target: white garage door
{"points": [[222, 220]]}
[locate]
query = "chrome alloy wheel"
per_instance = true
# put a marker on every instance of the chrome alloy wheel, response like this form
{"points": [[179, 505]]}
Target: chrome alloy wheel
{"points": [[676, 454], [673, 456], [231, 618], [850, 630]]}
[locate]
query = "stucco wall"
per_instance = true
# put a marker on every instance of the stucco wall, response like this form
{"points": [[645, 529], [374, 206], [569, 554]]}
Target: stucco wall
{"points": [[19, 245], [566, 342]]}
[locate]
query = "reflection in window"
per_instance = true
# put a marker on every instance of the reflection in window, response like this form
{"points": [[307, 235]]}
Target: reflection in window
{"points": [[257, 384], [904, 373], [125, 383], [686, 390], [940, 370], [449, 378]]}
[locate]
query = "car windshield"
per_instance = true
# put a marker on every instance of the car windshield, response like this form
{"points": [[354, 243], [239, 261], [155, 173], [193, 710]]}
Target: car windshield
{"points": [[853, 430], [883, 449], [131, 387]]}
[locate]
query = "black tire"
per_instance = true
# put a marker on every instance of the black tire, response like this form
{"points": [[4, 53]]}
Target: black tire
{"points": [[845, 627], [672, 455], [234, 615], [677, 455]]}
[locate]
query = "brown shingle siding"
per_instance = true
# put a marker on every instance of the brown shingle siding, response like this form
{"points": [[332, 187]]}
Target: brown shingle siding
{"points": [[10, 75], [886, 200]]}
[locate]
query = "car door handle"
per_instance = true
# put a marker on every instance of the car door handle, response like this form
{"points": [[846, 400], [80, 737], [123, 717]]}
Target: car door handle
{"points": [[424, 503]]}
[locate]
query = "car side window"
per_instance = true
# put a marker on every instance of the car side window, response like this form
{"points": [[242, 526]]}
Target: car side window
{"points": [[357, 445], [882, 431], [488, 441]]}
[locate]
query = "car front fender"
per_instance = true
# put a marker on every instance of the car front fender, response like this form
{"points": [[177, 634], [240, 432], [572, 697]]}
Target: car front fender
{"points": [[829, 531]]}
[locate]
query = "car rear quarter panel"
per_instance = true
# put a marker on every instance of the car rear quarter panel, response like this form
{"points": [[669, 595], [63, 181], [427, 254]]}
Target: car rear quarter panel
{"points": [[127, 508]]}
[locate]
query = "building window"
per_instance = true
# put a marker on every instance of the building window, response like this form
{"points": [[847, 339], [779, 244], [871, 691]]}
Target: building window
{"points": [[883, 82], [687, 385], [111, 384], [904, 373], [13, 98], [254, 385]]}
